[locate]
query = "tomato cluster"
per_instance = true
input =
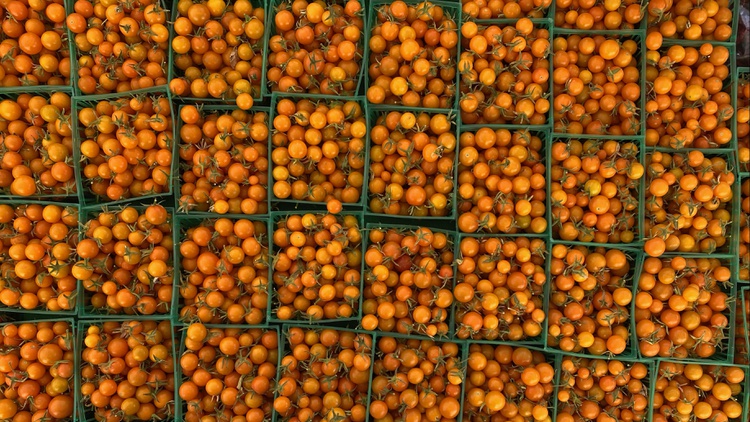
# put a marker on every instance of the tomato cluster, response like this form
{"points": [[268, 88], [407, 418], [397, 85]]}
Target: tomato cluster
{"points": [[317, 267], [416, 379], [688, 202], [324, 375], [595, 190], [36, 364], [499, 288], [318, 150], [744, 249], [36, 145], [224, 274], [590, 300], [699, 392], [501, 181], [228, 373], [598, 14], [125, 261], [691, 20], [597, 85], [34, 47], [498, 9], [120, 47], [218, 50], [37, 244], [688, 104], [508, 383], [223, 161], [127, 370], [126, 147], [505, 73], [413, 52], [408, 281], [595, 389], [412, 161], [681, 307]]}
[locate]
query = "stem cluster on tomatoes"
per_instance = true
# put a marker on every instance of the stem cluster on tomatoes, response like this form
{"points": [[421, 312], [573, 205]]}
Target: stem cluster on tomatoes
{"points": [[228, 373], [36, 145], [499, 288], [599, 14], [125, 262], [218, 50], [590, 300], [681, 307], [691, 20], [127, 370], [504, 73], [223, 161], [126, 147], [36, 364], [317, 266], [595, 190], [36, 249], [224, 277]]}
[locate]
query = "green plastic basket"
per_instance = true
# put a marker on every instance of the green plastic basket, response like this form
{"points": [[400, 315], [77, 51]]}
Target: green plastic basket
{"points": [[277, 218], [743, 79], [741, 261], [84, 412], [450, 8], [531, 341], [446, 222], [288, 204], [183, 166], [85, 196], [742, 354], [86, 311], [640, 27], [41, 311], [734, 6]]}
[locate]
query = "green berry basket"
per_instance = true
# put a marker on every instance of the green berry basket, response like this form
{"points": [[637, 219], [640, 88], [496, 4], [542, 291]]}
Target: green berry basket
{"points": [[445, 222], [742, 337], [538, 340], [180, 405], [290, 204], [183, 166], [734, 6], [185, 222], [742, 80], [40, 311], [741, 262], [638, 28], [276, 221], [85, 196], [259, 94], [84, 409], [450, 9], [635, 258], [86, 310]]}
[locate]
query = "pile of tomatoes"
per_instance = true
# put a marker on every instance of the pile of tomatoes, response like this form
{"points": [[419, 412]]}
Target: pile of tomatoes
{"points": [[691, 20], [590, 300], [499, 289], [688, 202], [412, 162], [317, 267], [36, 146], [742, 325], [34, 47], [316, 47], [36, 365], [223, 161], [744, 249], [228, 372], [408, 281], [325, 374], [595, 190], [504, 382], [38, 253], [218, 51], [505, 73], [689, 102], [127, 370], [318, 151], [512, 9], [702, 392], [413, 53], [224, 271], [743, 121], [126, 147], [125, 261], [599, 14], [119, 47], [602, 390], [416, 379]]}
